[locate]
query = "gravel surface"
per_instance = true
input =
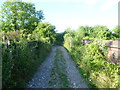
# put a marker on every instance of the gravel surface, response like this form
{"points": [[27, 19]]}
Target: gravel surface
{"points": [[42, 76], [75, 78]]}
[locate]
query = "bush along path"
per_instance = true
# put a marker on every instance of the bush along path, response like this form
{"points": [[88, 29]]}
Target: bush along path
{"points": [[57, 71]]}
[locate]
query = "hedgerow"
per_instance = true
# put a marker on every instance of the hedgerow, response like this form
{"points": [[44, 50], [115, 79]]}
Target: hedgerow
{"points": [[92, 62], [20, 61]]}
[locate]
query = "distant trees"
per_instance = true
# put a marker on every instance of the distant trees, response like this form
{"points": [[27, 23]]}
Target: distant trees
{"points": [[73, 38], [98, 32], [59, 38], [84, 31], [45, 31], [116, 32], [102, 32], [18, 15]]}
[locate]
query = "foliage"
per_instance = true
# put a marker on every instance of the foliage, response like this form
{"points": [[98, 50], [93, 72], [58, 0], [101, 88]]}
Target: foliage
{"points": [[68, 38], [91, 59], [45, 32], [29, 41], [20, 61], [59, 38], [116, 32], [18, 15], [13, 35], [85, 31], [96, 32]]}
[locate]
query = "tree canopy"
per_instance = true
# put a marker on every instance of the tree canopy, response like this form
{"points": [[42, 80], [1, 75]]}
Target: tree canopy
{"points": [[45, 30], [18, 15], [116, 32]]}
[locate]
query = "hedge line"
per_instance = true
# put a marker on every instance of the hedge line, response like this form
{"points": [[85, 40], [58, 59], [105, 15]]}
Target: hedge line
{"points": [[92, 63], [20, 61]]}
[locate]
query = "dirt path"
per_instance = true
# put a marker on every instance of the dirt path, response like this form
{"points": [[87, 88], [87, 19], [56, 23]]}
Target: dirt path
{"points": [[57, 71], [42, 76], [75, 78]]}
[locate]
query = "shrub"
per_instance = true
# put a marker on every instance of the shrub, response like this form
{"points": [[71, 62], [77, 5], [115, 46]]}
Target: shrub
{"points": [[20, 61], [92, 63]]}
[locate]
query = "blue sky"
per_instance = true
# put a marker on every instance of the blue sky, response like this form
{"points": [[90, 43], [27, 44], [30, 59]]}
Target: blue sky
{"points": [[75, 13]]}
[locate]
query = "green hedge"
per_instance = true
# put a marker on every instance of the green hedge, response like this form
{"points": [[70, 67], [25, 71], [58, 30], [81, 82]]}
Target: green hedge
{"points": [[92, 63], [20, 61]]}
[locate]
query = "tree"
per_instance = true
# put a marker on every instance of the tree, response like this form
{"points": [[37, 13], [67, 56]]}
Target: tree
{"points": [[102, 32], [81, 32], [59, 38], [18, 15], [69, 32], [45, 31], [116, 32], [85, 32]]}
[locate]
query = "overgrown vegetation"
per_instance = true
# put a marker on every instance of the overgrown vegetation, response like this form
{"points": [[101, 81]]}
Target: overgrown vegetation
{"points": [[91, 58], [26, 41], [59, 38], [20, 62]]}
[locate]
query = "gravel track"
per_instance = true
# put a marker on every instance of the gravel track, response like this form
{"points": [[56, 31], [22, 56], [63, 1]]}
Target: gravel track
{"points": [[42, 76], [75, 78]]}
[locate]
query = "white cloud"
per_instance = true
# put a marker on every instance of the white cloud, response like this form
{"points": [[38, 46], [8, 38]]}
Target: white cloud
{"points": [[109, 4], [87, 3], [91, 2]]}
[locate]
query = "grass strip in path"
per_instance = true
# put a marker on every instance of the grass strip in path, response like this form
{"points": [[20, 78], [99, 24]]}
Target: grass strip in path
{"points": [[58, 75]]}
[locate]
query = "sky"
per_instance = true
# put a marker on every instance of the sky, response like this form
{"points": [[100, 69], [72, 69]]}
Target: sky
{"points": [[74, 13]]}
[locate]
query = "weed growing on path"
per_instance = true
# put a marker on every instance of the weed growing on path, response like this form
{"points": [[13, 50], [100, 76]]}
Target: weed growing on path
{"points": [[58, 74]]}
